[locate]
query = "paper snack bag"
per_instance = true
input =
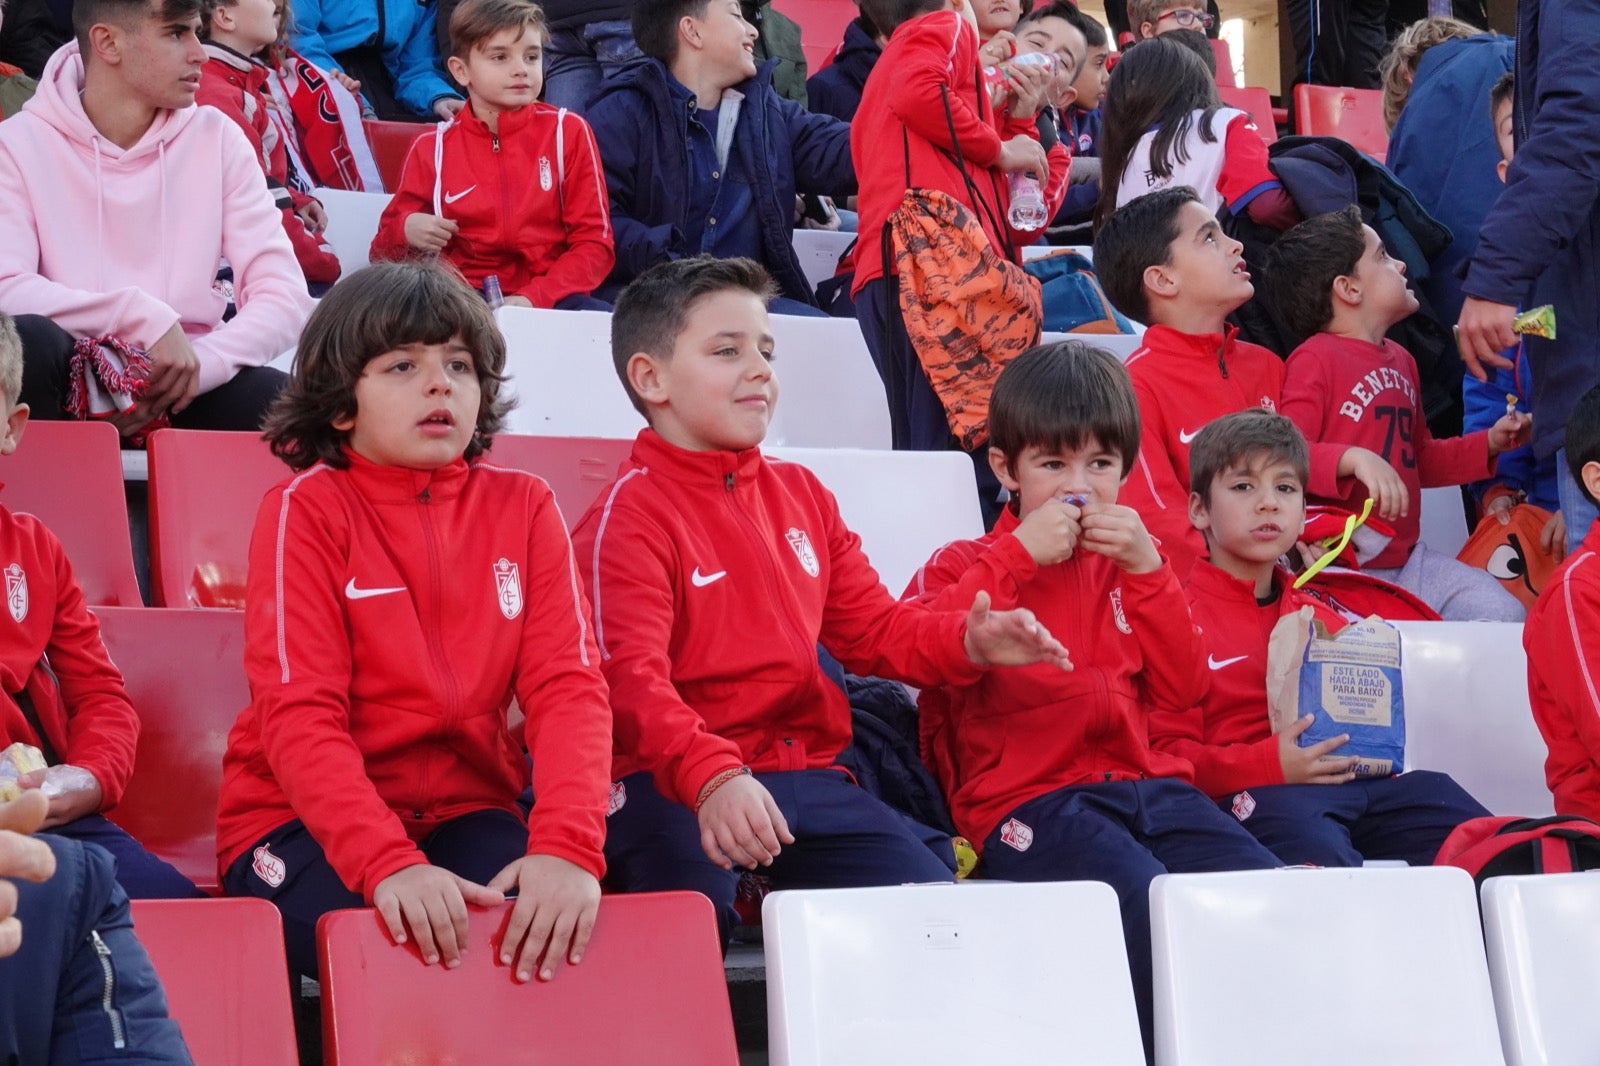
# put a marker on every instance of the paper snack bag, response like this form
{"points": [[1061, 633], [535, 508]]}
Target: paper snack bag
{"points": [[1349, 680]]}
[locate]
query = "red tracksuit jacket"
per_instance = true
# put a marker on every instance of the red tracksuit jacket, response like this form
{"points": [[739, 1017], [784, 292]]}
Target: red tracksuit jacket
{"points": [[531, 202], [714, 575], [85, 711], [391, 616], [1562, 639], [1227, 736], [1183, 381], [1010, 736], [1339, 390], [902, 116]]}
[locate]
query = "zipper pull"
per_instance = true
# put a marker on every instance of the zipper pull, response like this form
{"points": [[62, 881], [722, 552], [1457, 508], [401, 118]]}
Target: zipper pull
{"points": [[496, 138], [727, 482], [426, 495]]}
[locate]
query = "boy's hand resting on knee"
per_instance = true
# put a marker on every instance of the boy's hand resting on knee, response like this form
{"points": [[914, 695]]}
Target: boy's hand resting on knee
{"points": [[431, 902], [1051, 531], [740, 824], [429, 233], [1314, 765], [1388, 492], [1010, 638], [554, 914], [1118, 533]]}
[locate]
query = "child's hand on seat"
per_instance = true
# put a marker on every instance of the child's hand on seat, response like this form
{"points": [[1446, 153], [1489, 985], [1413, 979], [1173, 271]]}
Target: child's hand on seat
{"points": [[431, 902], [554, 914], [1118, 533], [1010, 638], [1511, 431], [1388, 492], [740, 824], [1313, 765], [429, 233], [1050, 531]]}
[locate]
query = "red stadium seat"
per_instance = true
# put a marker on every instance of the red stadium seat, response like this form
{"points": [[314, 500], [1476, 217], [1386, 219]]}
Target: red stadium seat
{"points": [[822, 25], [69, 474], [185, 676], [1226, 78], [651, 988], [221, 962], [1356, 115], [391, 143], [575, 468], [1257, 103], [205, 489]]}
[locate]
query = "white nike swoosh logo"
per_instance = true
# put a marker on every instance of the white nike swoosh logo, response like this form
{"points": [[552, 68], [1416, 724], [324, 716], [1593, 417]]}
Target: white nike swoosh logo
{"points": [[1185, 438], [451, 198], [353, 593], [702, 580], [1211, 661]]}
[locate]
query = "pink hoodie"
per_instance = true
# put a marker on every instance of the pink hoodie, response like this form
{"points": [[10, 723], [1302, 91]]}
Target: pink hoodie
{"points": [[106, 241]]}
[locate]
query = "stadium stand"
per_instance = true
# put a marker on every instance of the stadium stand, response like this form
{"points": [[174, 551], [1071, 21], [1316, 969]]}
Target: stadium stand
{"points": [[822, 25], [1255, 102], [391, 143], [650, 989], [1335, 111], [986, 972], [1543, 936]]}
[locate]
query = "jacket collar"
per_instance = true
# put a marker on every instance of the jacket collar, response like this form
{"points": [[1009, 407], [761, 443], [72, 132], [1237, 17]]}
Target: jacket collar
{"points": [[1208, 578], [1205, 346], [711, 468], [508, 123], [399, 484]]}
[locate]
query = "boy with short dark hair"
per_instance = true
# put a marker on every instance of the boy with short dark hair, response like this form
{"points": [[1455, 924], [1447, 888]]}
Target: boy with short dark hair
{"points": [[1562, 639], [1164, 260], [1330, 280], [511, 188], [1050, 775], [1247, 474], [702, 155], [59, 690], [714, 575]]}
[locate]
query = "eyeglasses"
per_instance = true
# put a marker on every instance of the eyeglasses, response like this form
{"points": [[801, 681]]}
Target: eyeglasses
{"points": [[1190, 19]]}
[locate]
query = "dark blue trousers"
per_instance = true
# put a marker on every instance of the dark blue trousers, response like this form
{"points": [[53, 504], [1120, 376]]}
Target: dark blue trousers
{"points": [[1405, 817], [844, 838], [475, 846], [81, 988], [1125, 833], [141, 874]]}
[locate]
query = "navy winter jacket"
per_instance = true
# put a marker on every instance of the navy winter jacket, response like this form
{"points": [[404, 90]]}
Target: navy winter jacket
{"points": [[836, 89], [576, 14], [644, 145], [1541, 242]]}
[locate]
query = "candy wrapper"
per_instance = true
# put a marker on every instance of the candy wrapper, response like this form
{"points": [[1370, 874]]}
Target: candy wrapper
{"points": [[16, 760], [1536, 322]]}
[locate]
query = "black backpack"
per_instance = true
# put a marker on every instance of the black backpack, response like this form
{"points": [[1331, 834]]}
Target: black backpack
{"points": [[1495, 847]]}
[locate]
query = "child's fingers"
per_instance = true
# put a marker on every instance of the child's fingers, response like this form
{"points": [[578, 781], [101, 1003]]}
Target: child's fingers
{"points": [[559, 944], [1323, 747], [455, 911], [421, 927], [389, 910], [713, 849], [584, 930], [780, 825], [441, 924], [533, 941]]}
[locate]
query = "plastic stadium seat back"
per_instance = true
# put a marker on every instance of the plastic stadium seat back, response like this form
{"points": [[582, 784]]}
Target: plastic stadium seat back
{"points": [[69, 475], [205, 489], [352, 223], [222, 965], [650, 989], [1227, 77], [391, 143], [562, 377], [822, 25], [1255, 102], [1356, 115], [1393, 958], [1543, 938], [929, 973], [577, 469], [185, 676]]}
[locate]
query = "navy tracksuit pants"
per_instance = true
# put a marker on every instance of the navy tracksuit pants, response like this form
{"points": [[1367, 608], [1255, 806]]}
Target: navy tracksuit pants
{"points": [[81, 988], [141, 874], [844, 838]]}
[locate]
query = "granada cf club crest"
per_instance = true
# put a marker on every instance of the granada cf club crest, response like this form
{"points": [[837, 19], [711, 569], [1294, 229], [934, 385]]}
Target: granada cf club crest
{"points": [[1116, 612], [268, 866], [544, 173], [1018, 835], [16, 592], [802, 548], [508, 588]]}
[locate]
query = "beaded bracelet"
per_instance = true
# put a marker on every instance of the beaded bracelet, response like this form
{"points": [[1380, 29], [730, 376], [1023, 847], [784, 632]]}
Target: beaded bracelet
{"points": [[716, 783]]}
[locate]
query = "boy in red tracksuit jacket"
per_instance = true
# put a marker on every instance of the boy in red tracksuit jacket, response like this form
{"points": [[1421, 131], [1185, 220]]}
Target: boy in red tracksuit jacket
{"points": [[510, 189], [1248, 472], [1050, 775], [1164, 260], [901, 138], [1331, 280], [1562, 639], [59, 691], [402, 591], [235, 84], [715, 573]]}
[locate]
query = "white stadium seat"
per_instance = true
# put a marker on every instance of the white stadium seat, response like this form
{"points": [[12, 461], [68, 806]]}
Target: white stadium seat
{"points": [[559, 363], [949, 975], [352, 223], [829, 391], [818, 251], [1543, 934], [1321, 968]]}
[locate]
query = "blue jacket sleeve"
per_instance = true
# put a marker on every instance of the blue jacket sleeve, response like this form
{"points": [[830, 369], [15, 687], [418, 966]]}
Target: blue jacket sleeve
{"points": [[1555, 178], [308, 34], [414, 61], [819, 145], [638, 246]]}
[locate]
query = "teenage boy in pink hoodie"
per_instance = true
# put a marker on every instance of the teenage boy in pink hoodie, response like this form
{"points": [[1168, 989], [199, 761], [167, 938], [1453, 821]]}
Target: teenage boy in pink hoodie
{"points": [[119, 200]]}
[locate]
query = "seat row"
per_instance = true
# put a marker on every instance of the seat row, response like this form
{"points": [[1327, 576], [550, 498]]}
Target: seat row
{"points": [[1388, 966]]}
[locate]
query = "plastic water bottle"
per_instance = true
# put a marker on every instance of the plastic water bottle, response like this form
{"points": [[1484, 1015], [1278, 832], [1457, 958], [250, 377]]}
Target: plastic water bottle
{"points": [[1027, 202], [492, 294]]}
